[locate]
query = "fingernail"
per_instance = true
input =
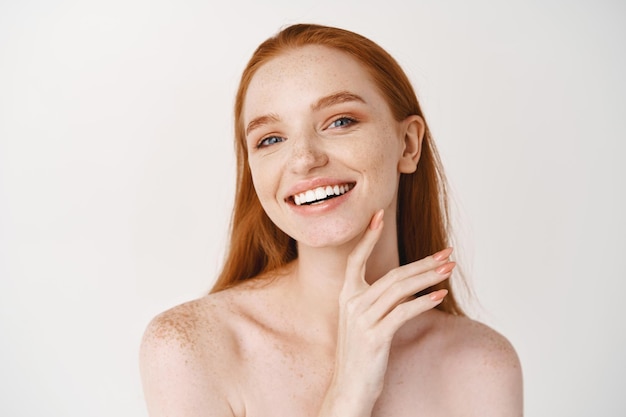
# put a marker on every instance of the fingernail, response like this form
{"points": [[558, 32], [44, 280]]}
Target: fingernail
{"points": [[441, 255], [445, 268], [438, 295], [377, 219]]}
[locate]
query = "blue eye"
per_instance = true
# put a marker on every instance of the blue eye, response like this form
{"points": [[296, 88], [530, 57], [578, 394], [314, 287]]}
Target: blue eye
{"points": [[270, 140], [342, 122]]}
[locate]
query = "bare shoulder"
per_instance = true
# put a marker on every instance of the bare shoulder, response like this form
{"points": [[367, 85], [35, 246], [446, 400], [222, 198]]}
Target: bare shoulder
{"points": [[473, 339], [188, 358], [483, 368], [187, 327]]}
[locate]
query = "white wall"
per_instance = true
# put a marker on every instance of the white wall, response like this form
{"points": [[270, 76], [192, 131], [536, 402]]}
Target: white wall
{"points": [[116, 178]]}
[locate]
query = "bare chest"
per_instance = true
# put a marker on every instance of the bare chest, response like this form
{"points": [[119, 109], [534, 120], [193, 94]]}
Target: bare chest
{"points": [[287, 380]]}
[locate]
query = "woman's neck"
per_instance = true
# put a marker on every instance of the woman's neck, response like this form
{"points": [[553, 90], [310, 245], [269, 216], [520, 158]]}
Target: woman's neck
{"points": [[318, 275]]}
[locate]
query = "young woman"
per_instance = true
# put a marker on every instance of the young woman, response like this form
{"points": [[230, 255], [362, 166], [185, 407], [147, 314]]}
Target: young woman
{"points": [[335, 298]]}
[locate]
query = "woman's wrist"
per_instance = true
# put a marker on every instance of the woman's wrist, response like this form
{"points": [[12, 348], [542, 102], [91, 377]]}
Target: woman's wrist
{"points": [[343, 402]]}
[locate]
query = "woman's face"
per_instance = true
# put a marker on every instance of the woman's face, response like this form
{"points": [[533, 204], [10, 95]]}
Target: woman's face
{"points": [[324, 150]]}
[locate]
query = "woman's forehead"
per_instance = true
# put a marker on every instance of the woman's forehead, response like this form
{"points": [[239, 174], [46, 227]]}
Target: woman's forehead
{"points": [[306, 73]]}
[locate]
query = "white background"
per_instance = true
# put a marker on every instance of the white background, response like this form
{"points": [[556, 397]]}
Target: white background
{"points": [[117, 173]]}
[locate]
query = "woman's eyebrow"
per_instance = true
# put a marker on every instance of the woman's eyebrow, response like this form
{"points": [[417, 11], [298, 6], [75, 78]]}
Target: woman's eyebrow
{"points": [[260, 121], [336, 98]]}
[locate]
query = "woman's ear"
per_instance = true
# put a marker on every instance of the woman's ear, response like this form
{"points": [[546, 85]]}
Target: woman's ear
{"points": [[413, 128]]}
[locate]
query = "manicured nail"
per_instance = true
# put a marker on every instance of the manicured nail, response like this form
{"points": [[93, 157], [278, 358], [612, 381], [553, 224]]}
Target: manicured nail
{"points": [[438, 295], [445, 268], [441, 255], [377, 219]]}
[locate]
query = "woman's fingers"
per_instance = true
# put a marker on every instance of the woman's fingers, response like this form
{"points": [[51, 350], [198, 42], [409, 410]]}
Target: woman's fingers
{"points": [[394, 289], [355, 269], [414, 268], [404, 290], [404, 312]]}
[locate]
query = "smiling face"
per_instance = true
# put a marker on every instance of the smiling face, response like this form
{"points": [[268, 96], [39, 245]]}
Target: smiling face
{"points": [[324, 150]]}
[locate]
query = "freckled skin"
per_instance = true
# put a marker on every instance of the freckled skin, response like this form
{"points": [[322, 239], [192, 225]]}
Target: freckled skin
{"points": [[366, 153], [265, 361], [267, 346], [181, 325]]}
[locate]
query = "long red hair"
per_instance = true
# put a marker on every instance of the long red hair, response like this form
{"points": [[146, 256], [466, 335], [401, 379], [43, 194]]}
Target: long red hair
{"points": [[257, 246]]}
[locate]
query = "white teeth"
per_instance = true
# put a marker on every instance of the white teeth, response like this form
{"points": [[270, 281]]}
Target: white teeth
{"points": [[320, 193]]}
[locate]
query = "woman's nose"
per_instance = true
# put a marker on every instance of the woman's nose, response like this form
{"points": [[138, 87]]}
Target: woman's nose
{"points": [[307, 153]]}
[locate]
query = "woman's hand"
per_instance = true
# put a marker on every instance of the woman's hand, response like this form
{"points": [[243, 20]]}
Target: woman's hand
{"points": [[369, 317]]}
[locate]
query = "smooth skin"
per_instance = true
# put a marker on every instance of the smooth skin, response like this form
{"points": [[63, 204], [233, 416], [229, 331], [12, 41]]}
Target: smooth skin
{"points": [[337, 332]]}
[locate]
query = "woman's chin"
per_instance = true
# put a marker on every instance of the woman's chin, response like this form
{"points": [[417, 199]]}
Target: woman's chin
{"points": [[324, 239]]}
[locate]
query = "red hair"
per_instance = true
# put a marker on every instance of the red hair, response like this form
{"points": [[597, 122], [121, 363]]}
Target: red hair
{"points": [[258, 246]]}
